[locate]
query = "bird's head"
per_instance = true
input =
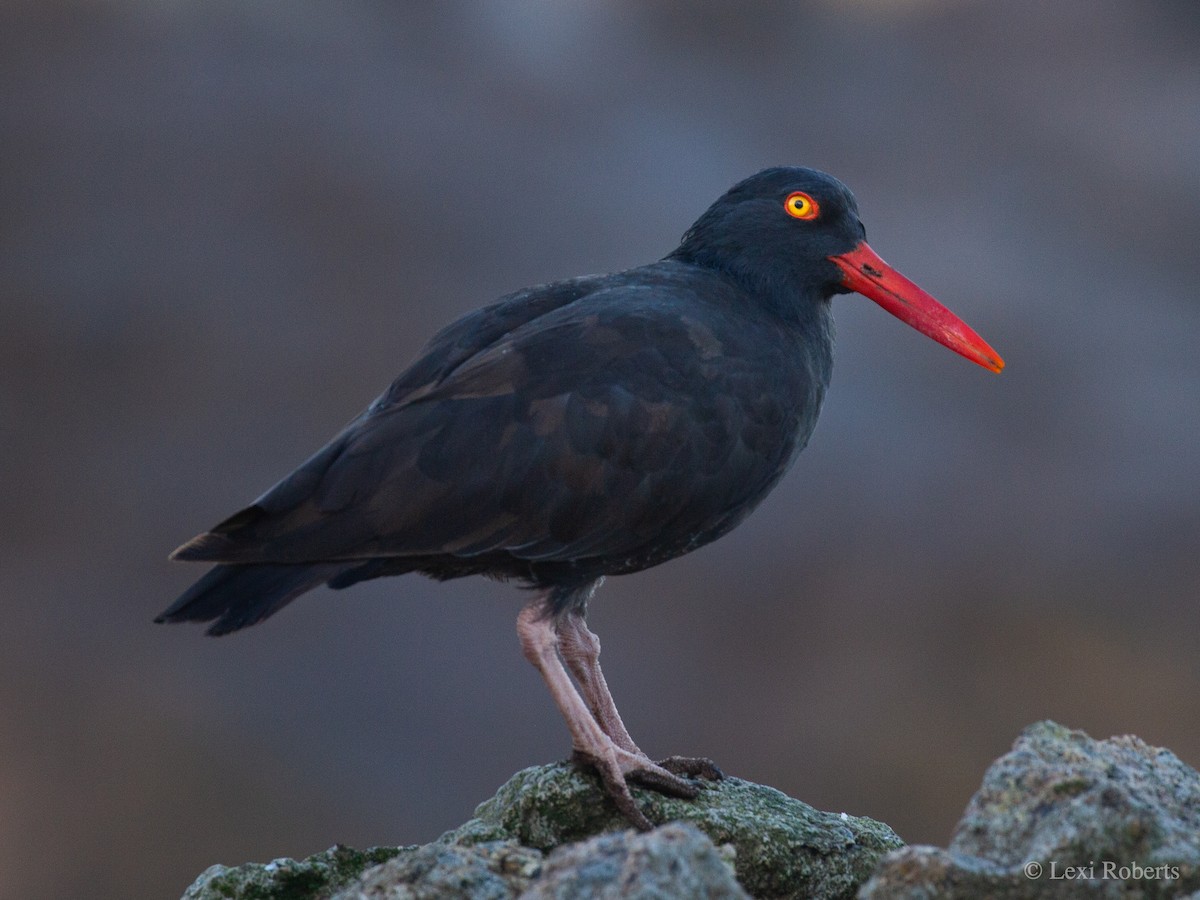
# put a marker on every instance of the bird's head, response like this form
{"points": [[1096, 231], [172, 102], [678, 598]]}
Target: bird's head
{"points": [[791, 232]]}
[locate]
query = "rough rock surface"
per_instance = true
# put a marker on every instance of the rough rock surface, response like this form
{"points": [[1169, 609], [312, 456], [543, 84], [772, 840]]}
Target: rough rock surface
{"points": [[283, 879], [674, 860], [1064, 816], [784, 848], [490, 870], [1060, 816], [551, 832]]}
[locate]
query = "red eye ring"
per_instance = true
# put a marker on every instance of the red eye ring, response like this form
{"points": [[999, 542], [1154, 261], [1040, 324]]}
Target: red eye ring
{"points": [[800, 205]]}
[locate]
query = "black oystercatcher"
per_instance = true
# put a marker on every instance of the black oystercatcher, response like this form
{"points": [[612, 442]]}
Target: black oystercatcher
{"points": [[579, 429]]}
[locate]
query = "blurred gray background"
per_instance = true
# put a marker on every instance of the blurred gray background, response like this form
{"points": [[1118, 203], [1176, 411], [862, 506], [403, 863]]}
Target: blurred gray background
{"points": [[225, 226]]}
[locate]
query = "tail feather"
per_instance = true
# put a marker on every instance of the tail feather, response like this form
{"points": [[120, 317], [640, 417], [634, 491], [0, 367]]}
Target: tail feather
{"points": [[238, 595]]}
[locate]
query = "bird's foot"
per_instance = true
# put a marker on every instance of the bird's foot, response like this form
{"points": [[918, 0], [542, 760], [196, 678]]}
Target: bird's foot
{"points": [[692, 767], [618, 768]]}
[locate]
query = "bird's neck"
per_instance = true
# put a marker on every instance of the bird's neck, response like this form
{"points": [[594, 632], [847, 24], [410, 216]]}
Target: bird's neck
{"points": [[774, 288]]}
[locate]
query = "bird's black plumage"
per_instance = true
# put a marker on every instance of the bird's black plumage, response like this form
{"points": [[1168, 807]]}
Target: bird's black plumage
{"points": [[583, 428]]}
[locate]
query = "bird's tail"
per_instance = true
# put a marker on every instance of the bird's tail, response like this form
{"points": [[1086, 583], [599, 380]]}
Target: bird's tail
{"points": [[241, 594]]}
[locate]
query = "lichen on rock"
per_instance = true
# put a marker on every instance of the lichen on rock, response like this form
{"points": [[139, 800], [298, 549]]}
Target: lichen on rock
{"points": [[314, 878], [784, 848]]}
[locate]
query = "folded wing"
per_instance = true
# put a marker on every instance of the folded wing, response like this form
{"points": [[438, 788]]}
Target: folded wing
{"points": [[589, 431]]}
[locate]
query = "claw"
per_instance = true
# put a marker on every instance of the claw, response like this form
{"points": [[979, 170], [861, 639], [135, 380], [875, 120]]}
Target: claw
{"points": [[692, 767]]}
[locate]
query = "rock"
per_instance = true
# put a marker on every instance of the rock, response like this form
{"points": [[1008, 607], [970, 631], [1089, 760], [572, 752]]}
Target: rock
{"points": [[1063, 815], [284, 879], [673, 860], [550, 831], [1060, 816], [490, 870], [784, 848]]}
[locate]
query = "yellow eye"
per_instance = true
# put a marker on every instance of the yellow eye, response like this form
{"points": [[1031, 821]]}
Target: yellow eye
{"points": [[801, 206]]}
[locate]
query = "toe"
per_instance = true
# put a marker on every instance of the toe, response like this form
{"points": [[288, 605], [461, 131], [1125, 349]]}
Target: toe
{"points": [[665, 783], [692, 767]]}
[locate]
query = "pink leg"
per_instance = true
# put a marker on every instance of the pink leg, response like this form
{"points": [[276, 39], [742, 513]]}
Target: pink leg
{"points": [[616, 765], [580, 650]]}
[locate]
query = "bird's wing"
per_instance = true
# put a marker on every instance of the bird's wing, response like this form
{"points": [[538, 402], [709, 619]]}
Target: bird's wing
{"points": [[476, 331], [588, 431]]}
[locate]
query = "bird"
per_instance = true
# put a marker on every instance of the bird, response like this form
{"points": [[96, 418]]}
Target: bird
{"points": [[579, 429]]}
